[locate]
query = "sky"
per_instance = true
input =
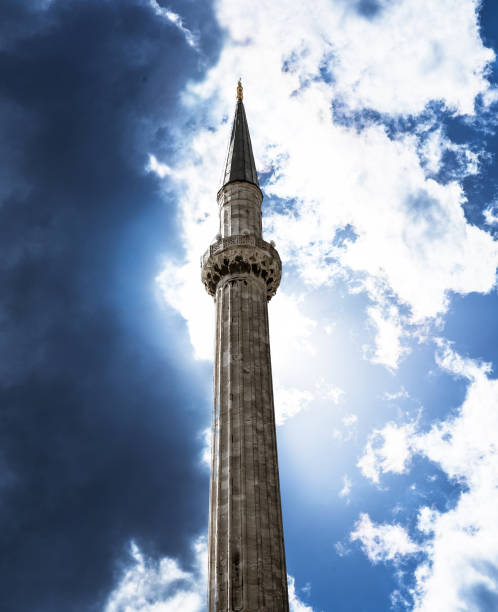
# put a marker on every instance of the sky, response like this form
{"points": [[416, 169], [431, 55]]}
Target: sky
{"points": [[374, 129]]}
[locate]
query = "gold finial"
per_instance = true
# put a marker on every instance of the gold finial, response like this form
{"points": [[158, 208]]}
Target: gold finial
{"points": [[240, 95]]}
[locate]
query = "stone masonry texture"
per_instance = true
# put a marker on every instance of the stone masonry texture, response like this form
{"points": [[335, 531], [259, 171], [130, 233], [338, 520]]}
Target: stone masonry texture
{"points": [[247, 569]]}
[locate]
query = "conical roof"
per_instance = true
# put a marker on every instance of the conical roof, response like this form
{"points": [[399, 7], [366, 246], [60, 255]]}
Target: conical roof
{"points": [[240, 164]]}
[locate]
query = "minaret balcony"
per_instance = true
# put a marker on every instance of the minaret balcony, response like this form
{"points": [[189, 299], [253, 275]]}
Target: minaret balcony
{"points": [[238, 256]]}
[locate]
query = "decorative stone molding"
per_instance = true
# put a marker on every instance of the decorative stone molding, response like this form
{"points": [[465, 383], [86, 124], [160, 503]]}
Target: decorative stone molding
{"points": [[241, 255]]}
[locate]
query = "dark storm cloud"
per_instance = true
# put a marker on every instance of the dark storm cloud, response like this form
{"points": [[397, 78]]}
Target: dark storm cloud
{"points": [[97, 425]]}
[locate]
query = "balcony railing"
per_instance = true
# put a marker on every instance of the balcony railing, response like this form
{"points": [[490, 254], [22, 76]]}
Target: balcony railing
{"points": [[239, 240]]}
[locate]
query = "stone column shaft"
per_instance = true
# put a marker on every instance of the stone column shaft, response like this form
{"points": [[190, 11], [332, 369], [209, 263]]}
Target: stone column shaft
{"points": [[247, 570], [247, 559]]}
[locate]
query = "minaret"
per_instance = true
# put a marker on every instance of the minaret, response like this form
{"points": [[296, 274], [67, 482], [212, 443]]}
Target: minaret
{"points": [[242, 272]]}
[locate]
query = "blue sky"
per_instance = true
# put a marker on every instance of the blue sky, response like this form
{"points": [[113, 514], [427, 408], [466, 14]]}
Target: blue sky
{"points": [[373, 125]]}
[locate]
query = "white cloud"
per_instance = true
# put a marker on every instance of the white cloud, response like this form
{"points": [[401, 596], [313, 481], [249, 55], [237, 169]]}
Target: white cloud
{"points": [[491, 214], [349, 419], [463, 553], [290, 331], [388, 349], [147, 586], [158, 168], [383, 542], [176, 20], [424, 47], [207, 436], [401, 394], [350, 430], [341, 549], [295, 604], [289, 402], [180, 286], [437, 144], [432, 151], [462, 543], [329, 328], [448, 359], [346, 489], [412, 53], [387, 450], [327, 391]]}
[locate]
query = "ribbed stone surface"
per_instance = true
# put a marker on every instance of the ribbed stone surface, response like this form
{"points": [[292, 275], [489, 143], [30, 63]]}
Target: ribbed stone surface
{"points": [[246, 551]]}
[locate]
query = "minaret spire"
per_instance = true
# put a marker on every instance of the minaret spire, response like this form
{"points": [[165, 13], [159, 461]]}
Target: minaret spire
{"points": [[240, 164], [242, 272]]}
